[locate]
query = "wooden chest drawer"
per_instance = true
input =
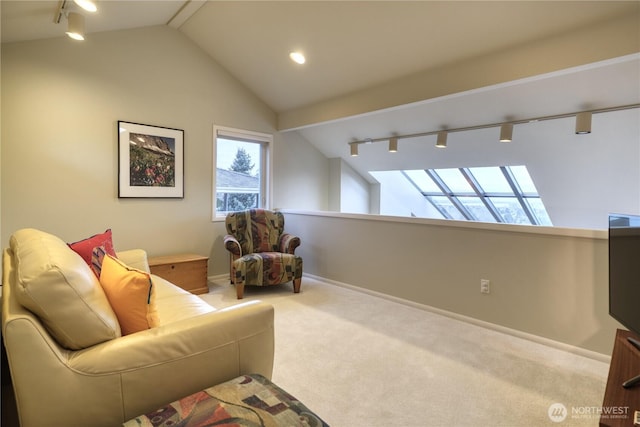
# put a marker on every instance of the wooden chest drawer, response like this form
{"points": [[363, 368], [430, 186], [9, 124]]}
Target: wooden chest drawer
{"points": [[188, 271]]}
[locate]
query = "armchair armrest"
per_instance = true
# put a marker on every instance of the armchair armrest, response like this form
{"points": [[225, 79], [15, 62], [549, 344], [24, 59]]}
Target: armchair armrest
{"points": [[289, 243], [232, 245]]}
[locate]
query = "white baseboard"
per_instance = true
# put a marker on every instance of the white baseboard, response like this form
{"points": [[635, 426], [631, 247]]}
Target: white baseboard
{"points": [[499, 328], [224, 276]]}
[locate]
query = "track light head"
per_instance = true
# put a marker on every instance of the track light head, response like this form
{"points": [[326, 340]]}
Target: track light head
{"points": [[442, 139], [393, 145], [506, 132], [88, 5], [354, 150], [75, 28], [583, 123]]}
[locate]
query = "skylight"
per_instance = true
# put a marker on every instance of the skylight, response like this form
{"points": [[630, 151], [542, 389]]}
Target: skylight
{"points": [[501, 194]]}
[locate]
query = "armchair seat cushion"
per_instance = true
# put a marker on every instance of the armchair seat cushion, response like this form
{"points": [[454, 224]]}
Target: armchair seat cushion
{"points": [[267, 268]]}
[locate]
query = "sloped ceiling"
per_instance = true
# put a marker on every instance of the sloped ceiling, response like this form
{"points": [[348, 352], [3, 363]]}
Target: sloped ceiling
{"points": [[353, 45], [378, 68]]}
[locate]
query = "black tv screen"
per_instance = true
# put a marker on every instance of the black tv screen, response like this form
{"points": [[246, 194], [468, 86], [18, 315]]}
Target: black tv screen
{"points": [[624, 270]]}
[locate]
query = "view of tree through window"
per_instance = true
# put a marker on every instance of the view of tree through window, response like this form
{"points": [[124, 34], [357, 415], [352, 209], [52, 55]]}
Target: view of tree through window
{"points": [[489, 194], [239, 173], [242, 164]]}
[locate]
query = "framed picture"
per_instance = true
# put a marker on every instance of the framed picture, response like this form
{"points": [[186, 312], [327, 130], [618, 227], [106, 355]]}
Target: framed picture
{"points": [[150, 161]]}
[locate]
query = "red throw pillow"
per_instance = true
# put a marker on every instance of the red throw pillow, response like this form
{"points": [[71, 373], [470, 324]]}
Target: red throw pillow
{"points": [[85, 247]]}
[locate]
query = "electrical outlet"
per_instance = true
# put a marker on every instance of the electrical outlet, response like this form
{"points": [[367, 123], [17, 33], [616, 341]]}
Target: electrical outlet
{"points": [[484, 286]]}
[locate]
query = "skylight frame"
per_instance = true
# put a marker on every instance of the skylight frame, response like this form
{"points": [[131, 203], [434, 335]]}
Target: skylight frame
{"points": [[483, 196]]}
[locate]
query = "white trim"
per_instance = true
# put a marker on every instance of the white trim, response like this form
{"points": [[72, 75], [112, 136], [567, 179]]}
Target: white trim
{"points": [[228, 132], [492, 326], [509, 228], [239, 190], [224, 276]]}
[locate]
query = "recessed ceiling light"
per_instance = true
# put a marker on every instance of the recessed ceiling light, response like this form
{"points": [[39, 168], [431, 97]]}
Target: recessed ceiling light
{"points": [[297, 57]]}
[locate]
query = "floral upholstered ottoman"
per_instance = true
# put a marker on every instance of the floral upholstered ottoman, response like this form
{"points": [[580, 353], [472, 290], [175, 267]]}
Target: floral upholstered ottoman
{"points": [[249, 400]]}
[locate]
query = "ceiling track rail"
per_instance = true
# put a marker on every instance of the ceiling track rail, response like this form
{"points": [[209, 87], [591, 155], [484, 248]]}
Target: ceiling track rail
{"points": [[493, 125], [59, 11]]}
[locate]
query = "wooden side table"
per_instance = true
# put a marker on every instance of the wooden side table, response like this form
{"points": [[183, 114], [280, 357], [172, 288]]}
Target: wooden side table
{"points": [[625, 364], [189, 271]]}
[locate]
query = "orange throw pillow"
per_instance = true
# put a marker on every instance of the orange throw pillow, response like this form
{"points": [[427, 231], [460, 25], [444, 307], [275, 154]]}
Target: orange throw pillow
{"points": [[131, 295]]}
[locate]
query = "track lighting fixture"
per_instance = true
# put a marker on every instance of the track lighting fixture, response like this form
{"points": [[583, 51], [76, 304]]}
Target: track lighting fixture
{"points": [[442, 139], [506, 132], [75, 28], [583, 123], [393, 144], [583, 126], [75, 21]]}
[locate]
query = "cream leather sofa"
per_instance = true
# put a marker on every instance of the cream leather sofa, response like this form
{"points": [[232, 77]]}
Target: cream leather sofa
{"points": [[69, 363]]}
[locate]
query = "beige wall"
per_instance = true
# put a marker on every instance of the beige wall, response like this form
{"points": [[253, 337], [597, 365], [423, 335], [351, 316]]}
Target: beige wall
{"points": [[348, 190], [552, 284], [301, 177], [61, 101]]}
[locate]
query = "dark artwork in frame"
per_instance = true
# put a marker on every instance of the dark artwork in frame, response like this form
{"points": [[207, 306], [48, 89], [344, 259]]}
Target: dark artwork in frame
{"points": [[150, 161]]}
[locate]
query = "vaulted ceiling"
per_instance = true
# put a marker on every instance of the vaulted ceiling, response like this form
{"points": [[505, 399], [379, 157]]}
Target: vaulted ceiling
{"points": [[375, 68], [350, 45]]}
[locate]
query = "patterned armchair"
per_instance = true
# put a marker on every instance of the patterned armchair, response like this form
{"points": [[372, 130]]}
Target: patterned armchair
{"points": [[261, 254]]}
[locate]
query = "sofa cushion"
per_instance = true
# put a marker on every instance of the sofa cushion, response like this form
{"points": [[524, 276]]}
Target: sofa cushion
{"points": [[175, 304], [85, 247], [131, 294], [58, 286]]}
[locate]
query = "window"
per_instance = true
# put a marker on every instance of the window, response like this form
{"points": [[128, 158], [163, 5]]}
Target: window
{"points": [[489, 194], [241, 173]]}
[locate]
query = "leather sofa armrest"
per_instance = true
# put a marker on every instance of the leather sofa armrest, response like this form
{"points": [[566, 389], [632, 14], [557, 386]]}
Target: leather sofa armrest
{"points": [[136, 258], [132, 375], [238, 338], [175, 360]]}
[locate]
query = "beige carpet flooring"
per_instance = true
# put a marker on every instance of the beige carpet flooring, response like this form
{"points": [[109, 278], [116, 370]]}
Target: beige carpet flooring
{"points": [[362, 361]]}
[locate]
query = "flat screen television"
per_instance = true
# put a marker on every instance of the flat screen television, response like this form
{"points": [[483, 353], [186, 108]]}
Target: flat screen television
{"points": [[624, 270]]}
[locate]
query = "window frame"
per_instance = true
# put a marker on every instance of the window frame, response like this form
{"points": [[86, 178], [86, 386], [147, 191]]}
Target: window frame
{"points": [[265, 140]]}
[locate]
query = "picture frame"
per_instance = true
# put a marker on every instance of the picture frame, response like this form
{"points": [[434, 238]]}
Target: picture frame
{"points": [[150, 161]]}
